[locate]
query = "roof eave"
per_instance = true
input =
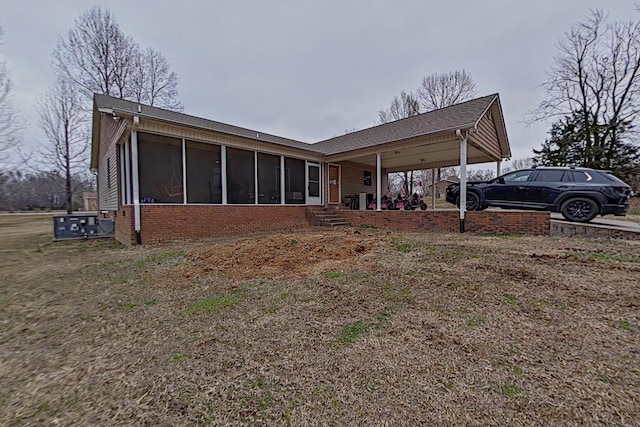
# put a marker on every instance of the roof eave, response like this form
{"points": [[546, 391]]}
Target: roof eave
{"points": [[390, 144]]}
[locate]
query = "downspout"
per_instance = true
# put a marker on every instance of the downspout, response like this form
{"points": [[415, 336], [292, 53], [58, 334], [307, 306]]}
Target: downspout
{"points": [[136, 178], [378, 182], [463, 177]]}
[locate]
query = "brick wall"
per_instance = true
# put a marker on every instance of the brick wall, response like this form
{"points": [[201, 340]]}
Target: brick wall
{"points": [[495, 222], [163, 222], [124, 225]]}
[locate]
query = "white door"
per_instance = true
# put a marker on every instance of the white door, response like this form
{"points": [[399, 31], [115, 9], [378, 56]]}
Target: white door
{"points": [[313, 184]]}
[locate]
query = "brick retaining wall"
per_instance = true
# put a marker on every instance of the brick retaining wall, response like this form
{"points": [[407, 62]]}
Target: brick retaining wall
{"points": [[163, 222], [448, 220]]}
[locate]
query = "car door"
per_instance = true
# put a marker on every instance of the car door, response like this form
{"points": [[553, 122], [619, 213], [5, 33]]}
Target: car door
{"points": [[544, 187], [509, 189]]}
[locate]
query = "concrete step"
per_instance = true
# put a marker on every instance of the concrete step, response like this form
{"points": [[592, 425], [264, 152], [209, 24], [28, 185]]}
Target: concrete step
{"points": [[325, 217]]}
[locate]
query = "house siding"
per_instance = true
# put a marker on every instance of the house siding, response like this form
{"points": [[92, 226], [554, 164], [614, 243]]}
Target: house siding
{"points": [[486, 137], [352, 179], [110, 133]]}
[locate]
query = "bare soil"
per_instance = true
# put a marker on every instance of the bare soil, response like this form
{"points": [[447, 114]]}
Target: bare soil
{"points": [[349, 326]]}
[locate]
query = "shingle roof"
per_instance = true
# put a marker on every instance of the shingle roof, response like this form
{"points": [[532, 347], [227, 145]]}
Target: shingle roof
{"points": [[459, 116], [129, 107]]}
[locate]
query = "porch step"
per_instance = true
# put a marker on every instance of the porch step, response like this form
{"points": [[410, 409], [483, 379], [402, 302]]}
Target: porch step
{"points": [[322, 216]]}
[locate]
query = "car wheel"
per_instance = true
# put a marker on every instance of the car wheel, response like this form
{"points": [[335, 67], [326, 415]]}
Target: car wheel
{"points": [[579, 209], [473, 201]]}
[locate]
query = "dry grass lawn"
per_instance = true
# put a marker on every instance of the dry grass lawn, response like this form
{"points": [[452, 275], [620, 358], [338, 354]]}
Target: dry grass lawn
{"points": [[354, 326]]}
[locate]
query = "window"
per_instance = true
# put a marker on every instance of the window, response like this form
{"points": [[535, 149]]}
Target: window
{"points": [[582, 176], [240, 176], [550, 175], [518, 176], [268, 179], [367, 178], [160, 168], [204, 173], [294, 181]]}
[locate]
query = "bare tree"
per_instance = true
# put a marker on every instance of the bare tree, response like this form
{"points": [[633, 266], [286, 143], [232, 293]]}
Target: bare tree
{"points": [[62, 120], [153, 82], [517, 164], [98, 57], [94, 54], [443, 90], [595, 78], [401, 107], [8, 124], [481, 174]]}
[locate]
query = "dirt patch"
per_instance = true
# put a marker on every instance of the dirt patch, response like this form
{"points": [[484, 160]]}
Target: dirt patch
{"points": [[287, 255]]}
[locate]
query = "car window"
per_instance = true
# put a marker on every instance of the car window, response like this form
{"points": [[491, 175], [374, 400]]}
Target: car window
{"points": [[550, 176], [606, 177], [583, 176], [517, 176]]}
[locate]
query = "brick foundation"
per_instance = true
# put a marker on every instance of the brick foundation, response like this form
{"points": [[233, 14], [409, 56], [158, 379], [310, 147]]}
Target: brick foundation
{"points": [[124, 229], [163, 222]]}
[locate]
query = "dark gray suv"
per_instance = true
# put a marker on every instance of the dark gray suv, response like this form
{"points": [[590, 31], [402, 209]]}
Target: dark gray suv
{"points": [[580, 194]]}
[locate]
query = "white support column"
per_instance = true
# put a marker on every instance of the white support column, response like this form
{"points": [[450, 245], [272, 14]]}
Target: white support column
{"points": [[135, 177], [463, 181], [282, 183], [255, 178], [128, 181], [223, 173], [122, 172], [499, 168], [378, 182], [433, 188], [184, 171]]}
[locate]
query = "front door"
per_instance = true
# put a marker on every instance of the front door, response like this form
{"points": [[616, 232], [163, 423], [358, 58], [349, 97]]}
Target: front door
{"points": [[509, 189], [313, 184], [334, 184]]}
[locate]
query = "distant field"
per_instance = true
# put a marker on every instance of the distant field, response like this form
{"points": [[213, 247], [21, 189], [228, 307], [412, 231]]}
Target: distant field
{"points": [[355, 326]]}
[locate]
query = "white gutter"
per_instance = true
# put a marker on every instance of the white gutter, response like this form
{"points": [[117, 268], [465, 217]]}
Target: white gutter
{"points": [[378, 182], [135, 177]]}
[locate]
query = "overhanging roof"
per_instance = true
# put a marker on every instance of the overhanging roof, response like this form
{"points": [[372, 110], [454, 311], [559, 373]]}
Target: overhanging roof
{"points": [[422, 141], [428, 140]]}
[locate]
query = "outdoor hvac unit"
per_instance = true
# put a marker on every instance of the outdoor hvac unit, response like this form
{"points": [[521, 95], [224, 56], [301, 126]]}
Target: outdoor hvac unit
{"points": [[81, 227]]}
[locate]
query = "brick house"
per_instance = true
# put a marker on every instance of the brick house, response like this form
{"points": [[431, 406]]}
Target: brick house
{"points": [[164, 175]]}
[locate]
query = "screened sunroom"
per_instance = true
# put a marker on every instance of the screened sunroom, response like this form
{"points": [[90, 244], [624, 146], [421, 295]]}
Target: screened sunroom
{"points": [[183, 171]]}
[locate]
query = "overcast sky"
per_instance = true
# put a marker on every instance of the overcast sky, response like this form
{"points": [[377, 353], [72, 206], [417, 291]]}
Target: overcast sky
{"points": [[309, 70]]}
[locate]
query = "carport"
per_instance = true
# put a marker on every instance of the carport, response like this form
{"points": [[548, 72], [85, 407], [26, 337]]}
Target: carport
{"points": [[468, 133]]}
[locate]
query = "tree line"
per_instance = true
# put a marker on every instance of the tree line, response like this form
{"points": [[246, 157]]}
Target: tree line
{"points": [[94, 56]]}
